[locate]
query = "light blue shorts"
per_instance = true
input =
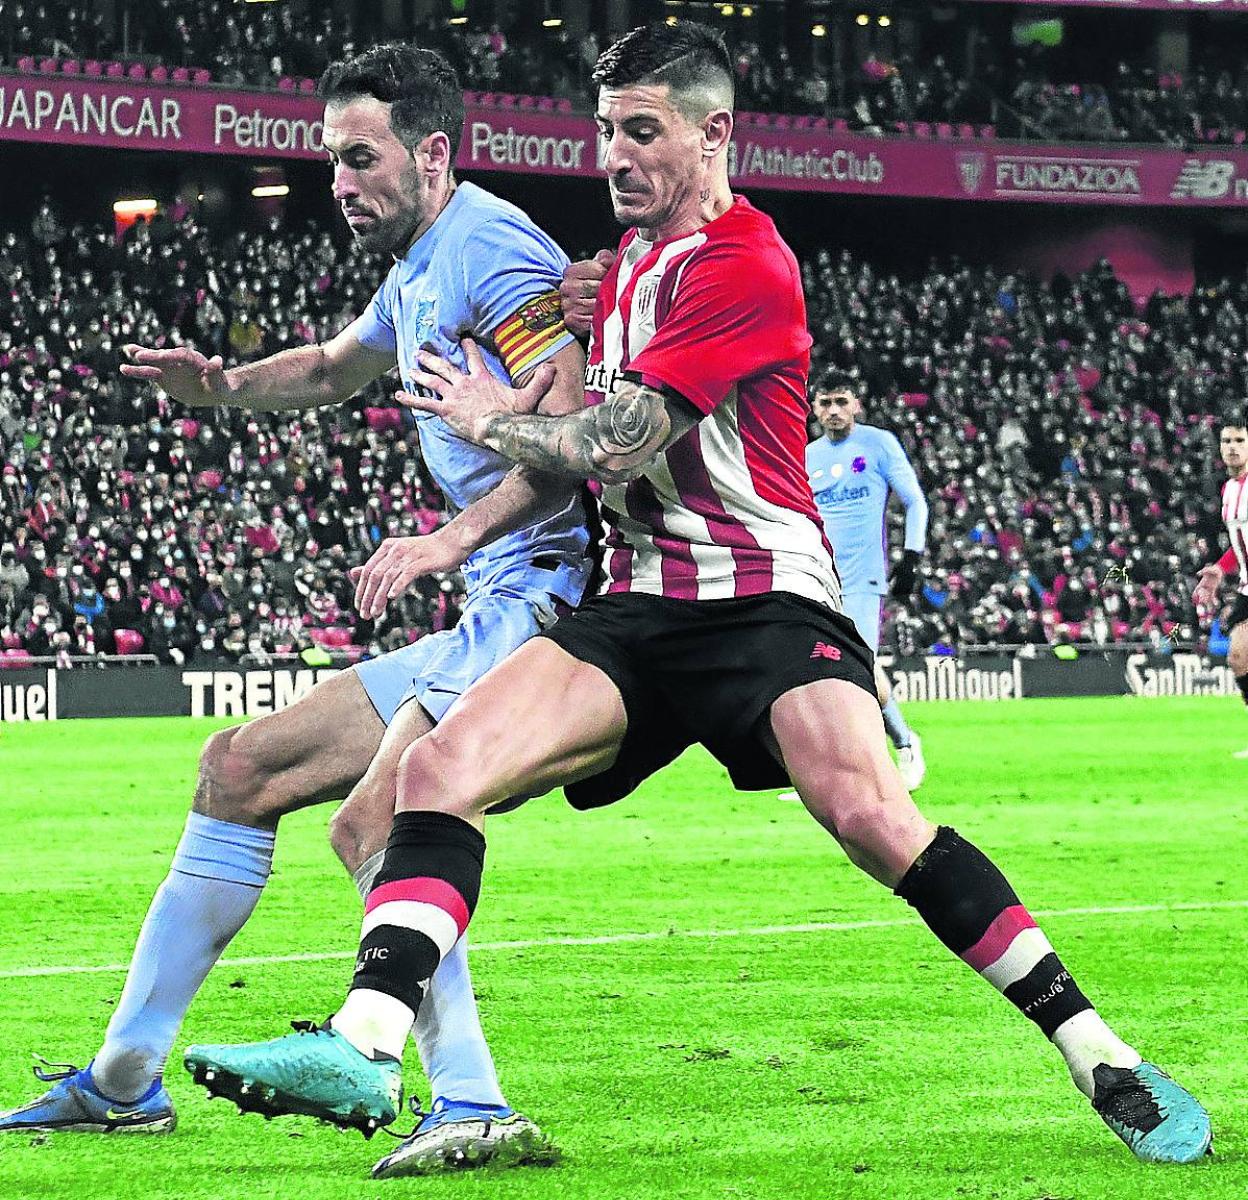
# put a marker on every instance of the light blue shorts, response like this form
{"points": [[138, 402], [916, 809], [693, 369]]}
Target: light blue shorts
{"points": [[865, 609], [439, 668]]}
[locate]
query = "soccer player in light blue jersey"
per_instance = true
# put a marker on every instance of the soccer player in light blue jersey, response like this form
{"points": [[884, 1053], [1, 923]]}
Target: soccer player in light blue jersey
{"points": [[854, 469], [464, 263]]}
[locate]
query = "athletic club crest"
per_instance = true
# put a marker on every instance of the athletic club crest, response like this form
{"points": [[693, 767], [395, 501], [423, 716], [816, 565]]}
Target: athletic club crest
{"points": [[971, 167], [643, 298], [859, 465]]}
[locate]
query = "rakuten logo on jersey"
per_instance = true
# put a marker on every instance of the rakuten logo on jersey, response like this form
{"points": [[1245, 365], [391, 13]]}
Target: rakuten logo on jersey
{"points": [[1058, 175], [1208, 179], [599, 379]]}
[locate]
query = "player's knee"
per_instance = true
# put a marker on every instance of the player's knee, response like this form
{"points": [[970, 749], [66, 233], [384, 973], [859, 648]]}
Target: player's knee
{"points": [[359, 828], [859, 809], [233, 784], [344, 836], [436, 773]]}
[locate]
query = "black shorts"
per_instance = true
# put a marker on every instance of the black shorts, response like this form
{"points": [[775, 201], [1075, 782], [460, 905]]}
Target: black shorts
{"points": [[705, 671], [1239, 613]]}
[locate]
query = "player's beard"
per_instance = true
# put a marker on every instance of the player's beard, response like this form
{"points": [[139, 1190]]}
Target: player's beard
{"points": [[392, 235]]}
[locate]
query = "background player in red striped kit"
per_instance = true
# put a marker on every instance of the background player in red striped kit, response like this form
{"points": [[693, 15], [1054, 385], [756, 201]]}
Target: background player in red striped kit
{"points": [[1233, 444], [719, 624]]}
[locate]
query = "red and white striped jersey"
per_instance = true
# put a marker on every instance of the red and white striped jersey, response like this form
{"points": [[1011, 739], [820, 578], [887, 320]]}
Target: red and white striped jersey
{"points": [[1235, 515], [716, 317]]}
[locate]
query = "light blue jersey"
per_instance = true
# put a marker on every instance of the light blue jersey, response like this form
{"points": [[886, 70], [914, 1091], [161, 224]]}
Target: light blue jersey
{"points": [[482, 269], [851, 480], [480, 263]]}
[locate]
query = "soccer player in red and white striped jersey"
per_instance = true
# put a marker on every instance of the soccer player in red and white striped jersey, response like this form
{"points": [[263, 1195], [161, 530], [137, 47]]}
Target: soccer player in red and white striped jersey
{"points": [[726, 511], [1233, 443], [719, 622]]}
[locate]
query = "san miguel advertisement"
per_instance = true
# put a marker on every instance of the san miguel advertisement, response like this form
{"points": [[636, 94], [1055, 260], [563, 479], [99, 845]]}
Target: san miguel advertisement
{"points": [[80, 112], [226, 690]]}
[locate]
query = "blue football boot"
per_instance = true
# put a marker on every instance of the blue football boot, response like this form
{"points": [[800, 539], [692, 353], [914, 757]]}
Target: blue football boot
{"points": [[74, 1104], [458, 1135]]}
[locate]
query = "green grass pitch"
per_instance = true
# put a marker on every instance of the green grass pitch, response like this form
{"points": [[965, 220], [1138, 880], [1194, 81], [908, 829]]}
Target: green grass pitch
{"points": [[782, 1030]]}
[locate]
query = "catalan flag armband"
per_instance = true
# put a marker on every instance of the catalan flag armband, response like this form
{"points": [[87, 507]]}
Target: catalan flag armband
{"points": [[524, 337]]}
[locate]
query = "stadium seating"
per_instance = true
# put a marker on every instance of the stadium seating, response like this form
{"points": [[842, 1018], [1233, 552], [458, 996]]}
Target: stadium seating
{"points": [[1040, 473]]}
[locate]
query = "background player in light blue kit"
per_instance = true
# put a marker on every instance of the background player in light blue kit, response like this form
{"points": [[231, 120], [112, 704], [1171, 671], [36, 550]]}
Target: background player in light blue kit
{"points": [[853, 470], [464, 262]]}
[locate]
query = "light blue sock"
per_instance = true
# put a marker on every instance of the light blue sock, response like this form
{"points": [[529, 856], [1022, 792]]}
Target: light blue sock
{"points": [[448, 1034], [895, 723], [214, 881]]}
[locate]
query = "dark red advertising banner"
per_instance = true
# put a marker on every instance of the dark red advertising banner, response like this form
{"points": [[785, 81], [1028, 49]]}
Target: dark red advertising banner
{"points": [[134, 116], [60, 111]]}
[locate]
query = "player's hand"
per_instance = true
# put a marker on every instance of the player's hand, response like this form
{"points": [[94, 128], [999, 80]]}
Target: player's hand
{"points": [[184, 373], [905, 574], [467, 401], [1208, 581], [579, 290], [394, 566]]}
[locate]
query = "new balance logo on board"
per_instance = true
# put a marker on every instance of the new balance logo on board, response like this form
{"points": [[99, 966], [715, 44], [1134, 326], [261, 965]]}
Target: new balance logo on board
{"points": [[823, 650]]}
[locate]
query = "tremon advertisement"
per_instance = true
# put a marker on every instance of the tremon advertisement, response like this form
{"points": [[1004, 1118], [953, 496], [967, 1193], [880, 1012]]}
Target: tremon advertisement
{"points": [[30, 694]]}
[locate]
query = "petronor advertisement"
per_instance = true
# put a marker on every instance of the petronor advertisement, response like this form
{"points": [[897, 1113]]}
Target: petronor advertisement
{"points": [[210, 120]]}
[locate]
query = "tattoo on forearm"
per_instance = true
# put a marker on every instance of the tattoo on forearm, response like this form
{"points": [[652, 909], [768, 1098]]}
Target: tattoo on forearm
{"points": [[611, 443], [629, 421]]}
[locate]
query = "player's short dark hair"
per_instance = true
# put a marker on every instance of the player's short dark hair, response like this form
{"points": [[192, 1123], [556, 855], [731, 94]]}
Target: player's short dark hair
{"points": [[1233, 420], [421, 87], [833, 379], [691, 58]]}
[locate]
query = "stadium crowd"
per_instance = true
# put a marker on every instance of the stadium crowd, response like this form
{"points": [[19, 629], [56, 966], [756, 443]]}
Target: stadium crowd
{"points": [[1066, 439], [891, 87], [196, 533]]}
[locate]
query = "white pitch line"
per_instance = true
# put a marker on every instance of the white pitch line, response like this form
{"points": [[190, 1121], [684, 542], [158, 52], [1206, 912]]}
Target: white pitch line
{"points": [[614, 939]]}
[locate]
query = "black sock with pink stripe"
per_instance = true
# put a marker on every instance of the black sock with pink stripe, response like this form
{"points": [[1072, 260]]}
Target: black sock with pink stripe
{"points": [[420, 903], [969, 905]]}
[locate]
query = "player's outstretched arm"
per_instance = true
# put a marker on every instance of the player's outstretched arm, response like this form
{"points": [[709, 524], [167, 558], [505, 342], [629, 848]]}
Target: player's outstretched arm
{"points": [[522, 497], [305, 377]]}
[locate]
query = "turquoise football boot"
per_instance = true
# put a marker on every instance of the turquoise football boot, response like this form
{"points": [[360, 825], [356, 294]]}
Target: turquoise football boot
{"points": [[312, 1072], [1159, 1120]]}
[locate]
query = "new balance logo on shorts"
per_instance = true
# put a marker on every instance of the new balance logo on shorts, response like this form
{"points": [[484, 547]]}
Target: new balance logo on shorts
{"points": [[823, 650]]}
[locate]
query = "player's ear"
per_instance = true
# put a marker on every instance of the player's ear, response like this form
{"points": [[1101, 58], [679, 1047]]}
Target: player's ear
{"points": [[716, 132], [436, 150]]}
